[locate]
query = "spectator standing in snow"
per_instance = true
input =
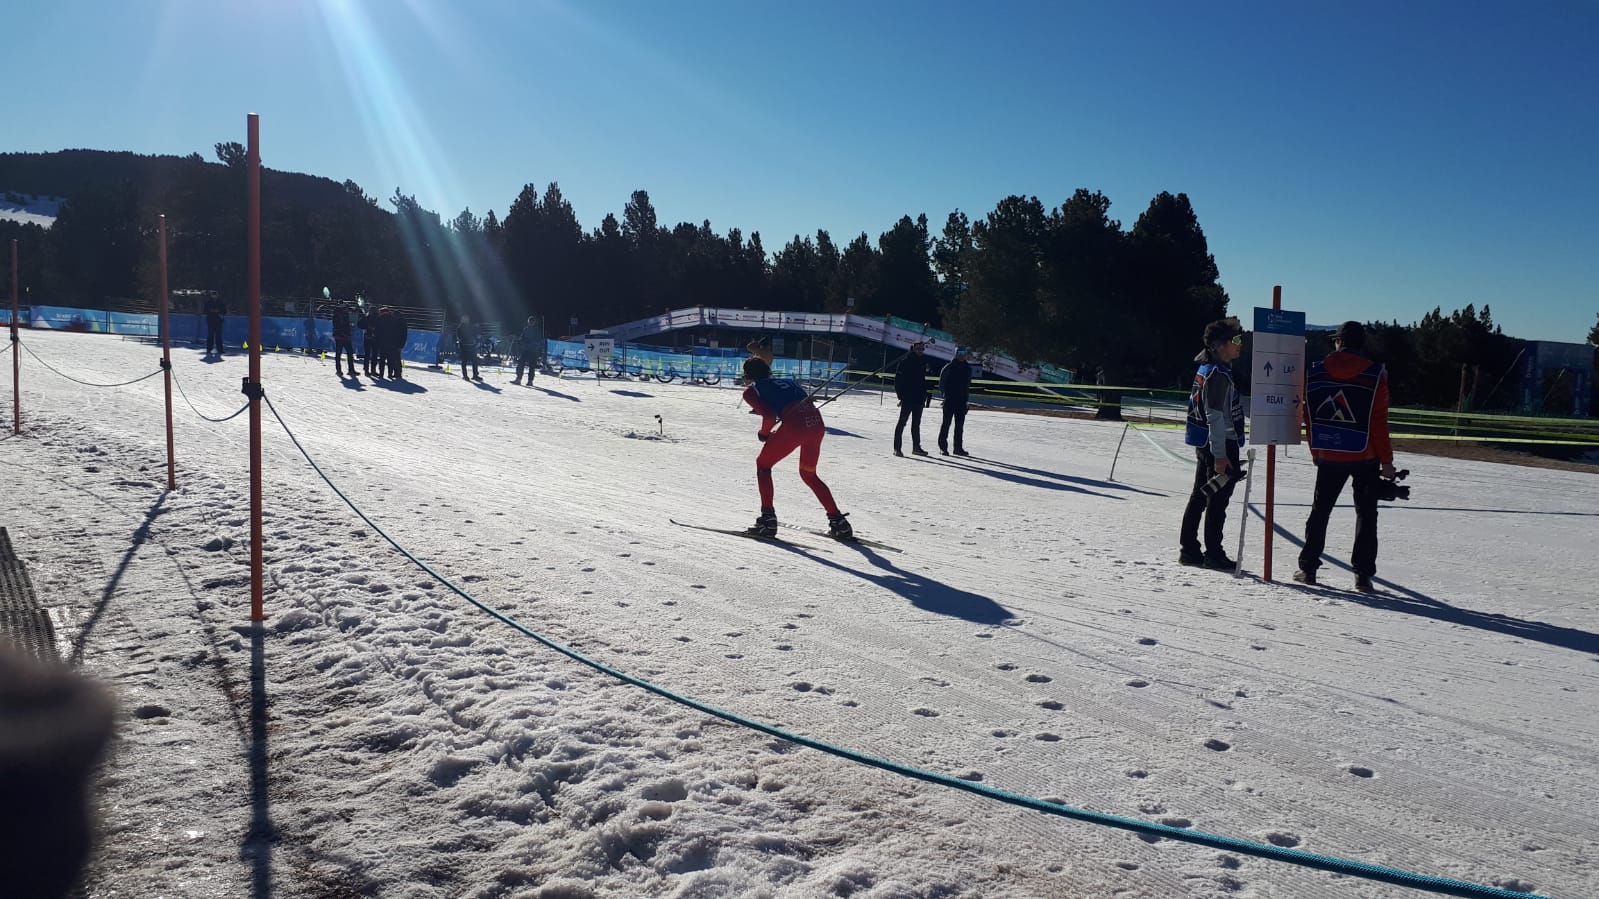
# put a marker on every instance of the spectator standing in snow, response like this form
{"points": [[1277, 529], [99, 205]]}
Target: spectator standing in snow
{"points": [[955, 383], [1215, 428], [392, 332], [466, 348], [213, 324], [371, 356], [1346, 412], [527, 347], [783, 401], [910, 385], [343, 339]]}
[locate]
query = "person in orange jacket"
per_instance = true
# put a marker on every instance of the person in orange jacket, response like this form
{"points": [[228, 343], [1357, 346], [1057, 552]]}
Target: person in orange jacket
{"points": [[1346, 415]]}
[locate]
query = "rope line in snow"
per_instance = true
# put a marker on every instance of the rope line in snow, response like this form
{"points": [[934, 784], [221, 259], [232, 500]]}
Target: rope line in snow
{"points": [[1442, 885], [86, 383], [186, 399]]}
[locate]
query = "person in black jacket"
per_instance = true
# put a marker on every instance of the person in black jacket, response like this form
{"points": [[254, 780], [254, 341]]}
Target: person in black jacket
{"points": [[213, 324], [528, 347], [466, 348], [370, 355], [910, 385], [399, 332], [343, 342], [955, 382]]}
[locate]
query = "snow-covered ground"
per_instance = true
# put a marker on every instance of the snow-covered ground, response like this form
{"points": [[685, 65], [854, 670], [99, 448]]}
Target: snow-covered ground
{"points": [[1035, 636], [29, 209]]}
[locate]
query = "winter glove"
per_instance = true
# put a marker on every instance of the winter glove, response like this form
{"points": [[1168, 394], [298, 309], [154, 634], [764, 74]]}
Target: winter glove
{"points": [[763, 436]]}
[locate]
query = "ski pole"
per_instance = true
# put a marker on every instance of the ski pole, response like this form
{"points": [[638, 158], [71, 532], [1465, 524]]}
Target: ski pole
{"points": [[1243, 516], [874, 374]]}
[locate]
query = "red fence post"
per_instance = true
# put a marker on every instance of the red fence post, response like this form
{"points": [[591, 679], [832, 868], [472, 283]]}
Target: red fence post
{"points": [[166, 359], [252, 385]]}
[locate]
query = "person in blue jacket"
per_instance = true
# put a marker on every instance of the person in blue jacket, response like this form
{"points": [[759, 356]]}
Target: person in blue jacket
{"points": [[1215, 429]]}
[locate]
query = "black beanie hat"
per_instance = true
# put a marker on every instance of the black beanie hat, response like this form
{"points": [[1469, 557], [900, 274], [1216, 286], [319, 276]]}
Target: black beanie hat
{"points": [[1352, 335], [755, 368]]}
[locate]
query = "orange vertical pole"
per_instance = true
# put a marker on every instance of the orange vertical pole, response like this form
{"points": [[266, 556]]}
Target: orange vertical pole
{"points": [[16, 351], [252, 384], [166, 360], [1271, 465]]}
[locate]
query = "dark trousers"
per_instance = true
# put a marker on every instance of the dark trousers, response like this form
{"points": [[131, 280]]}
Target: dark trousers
{"points": [[1330, 477], [528, 361], [396, 369], [371, 356], [953, 412], [1213, 508], [469, 360], [213, 336], [909, 410], [342, 344]]}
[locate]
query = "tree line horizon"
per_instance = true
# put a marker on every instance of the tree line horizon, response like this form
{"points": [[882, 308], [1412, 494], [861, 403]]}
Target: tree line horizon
{"points": [[1066, 285]]}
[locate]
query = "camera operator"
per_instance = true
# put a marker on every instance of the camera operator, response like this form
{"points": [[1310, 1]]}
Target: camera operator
{"points": [[1346, 413]]}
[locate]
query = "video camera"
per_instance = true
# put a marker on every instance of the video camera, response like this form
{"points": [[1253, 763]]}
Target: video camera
{"points": [[1389, 489]]}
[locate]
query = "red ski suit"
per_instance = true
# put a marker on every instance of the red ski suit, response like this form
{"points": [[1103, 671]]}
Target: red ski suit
{"points": [[782, 400]]}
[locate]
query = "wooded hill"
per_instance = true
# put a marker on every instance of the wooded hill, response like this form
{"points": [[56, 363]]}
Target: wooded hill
{"points": [[1063, 284]]}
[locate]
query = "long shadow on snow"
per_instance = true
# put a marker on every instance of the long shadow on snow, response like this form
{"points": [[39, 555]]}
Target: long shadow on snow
{"points": [[1019, 479], [140, 535], [923, 592], [256, 847], [840, 432], [399, 385], [1406, 507], [1412, 602], [564, 396], [634, 393], [1109, 485], [352, 383]]}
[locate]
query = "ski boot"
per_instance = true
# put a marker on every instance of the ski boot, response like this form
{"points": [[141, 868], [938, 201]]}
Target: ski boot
{"points": [[838, 527], [765, 526]]}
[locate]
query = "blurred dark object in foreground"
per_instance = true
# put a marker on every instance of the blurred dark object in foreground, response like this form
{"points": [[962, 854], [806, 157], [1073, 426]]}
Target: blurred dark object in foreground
{"points": [[54, 726]]}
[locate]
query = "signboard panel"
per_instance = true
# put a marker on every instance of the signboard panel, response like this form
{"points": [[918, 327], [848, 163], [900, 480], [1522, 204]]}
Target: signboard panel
{"points": [[1277, 380], [598, 349]]}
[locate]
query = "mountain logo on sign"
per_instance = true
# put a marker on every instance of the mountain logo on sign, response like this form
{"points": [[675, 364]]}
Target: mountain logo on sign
{"points": [[1335, 408]]}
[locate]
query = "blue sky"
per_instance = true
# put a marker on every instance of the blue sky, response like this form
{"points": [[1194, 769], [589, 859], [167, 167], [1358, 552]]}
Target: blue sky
{"points": [[1376, 159]]}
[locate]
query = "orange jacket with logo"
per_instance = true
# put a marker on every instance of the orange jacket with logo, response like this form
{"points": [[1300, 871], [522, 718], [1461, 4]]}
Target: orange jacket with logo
{"points": [[1350, 367]]}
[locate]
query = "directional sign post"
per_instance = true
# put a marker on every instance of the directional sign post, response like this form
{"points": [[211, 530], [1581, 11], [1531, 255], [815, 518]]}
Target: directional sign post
{"points": [[1279, 359], [598, 347], [1277, 391]]}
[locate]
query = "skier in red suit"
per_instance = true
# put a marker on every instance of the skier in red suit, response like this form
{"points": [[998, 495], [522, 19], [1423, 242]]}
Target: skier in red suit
{"points": [[782, 400]]}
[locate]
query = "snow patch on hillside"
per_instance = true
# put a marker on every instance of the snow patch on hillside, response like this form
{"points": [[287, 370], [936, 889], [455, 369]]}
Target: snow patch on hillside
{"points": [[29, 209]]}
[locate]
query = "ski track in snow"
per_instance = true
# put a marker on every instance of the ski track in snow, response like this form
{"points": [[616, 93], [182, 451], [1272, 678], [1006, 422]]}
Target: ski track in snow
{"points": [[1035, 636]]}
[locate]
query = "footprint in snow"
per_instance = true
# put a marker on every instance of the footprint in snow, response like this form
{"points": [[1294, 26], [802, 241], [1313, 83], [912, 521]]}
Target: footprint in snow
{"points": [[1218, 745], [1148, 641], [1039, 678], [925, 712], [1360, 771]]}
